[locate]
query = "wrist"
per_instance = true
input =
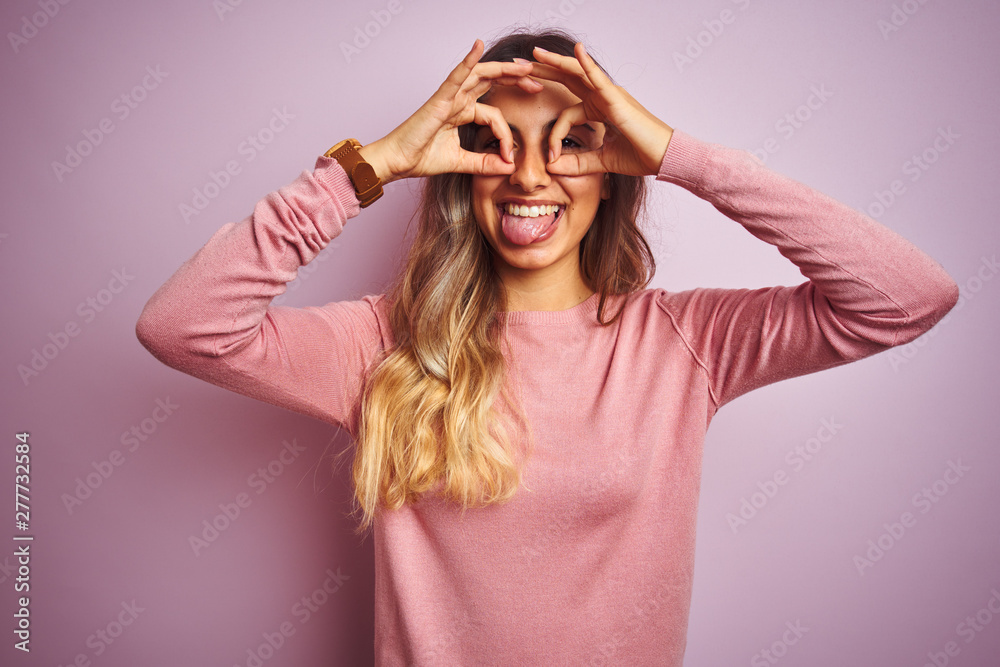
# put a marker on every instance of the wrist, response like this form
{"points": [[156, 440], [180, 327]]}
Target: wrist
{"points": [[666, 134], [670, 135], [362, 174], [374, 154]]}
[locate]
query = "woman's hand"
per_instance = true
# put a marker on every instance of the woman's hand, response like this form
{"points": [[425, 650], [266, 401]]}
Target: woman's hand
{"points": [[634, 141], [427, 142]]}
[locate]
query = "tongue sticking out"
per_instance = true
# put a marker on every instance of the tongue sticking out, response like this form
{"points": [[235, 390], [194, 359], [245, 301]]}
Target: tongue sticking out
{"points": [[524, 231]]}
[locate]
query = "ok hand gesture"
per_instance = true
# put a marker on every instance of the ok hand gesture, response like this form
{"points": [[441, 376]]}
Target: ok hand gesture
{"points": [[634, 141], [427, 143]]}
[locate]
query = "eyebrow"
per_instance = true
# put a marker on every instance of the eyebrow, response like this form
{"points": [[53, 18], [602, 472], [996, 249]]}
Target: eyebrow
{"points": [[548, 127]]}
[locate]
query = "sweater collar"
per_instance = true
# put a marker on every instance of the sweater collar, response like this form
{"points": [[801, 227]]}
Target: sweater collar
{"points": [[582, 312]]}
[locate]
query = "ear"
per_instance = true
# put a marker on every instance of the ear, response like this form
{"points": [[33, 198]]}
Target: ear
{"points": [[606, 187]]}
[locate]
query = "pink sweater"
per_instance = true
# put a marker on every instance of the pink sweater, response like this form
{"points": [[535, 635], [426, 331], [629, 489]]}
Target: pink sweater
{"points": [[594, 564]]}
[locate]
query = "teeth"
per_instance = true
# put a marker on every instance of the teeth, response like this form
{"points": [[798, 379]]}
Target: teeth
{"points": [[531, 211]]}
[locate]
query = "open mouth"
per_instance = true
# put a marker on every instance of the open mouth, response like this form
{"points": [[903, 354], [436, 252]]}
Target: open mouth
{"points": [[524, 224]]}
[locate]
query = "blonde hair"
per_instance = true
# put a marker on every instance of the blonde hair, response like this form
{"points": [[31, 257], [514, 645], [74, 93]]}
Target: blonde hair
{"points": [[437, 413]]}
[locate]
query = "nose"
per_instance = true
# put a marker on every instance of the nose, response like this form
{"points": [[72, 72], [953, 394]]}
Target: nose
{"points": [[529, 168]]}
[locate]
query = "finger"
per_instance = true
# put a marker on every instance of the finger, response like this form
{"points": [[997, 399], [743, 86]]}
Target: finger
{"points": [[480, 89], [479, 80], [577, 164], [475, 53], [567, 64], [495, 70], [483, 164], [493, 118], [595, 74], [573, 82], [568, 117], [460, 74], [529, 85], [525, 83], [468, 72]]}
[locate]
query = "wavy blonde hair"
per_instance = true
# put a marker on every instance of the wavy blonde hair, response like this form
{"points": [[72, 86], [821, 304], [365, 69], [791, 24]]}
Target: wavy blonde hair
{"points": [[437, 414]]}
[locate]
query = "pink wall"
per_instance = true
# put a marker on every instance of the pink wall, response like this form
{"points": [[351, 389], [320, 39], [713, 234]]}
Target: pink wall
{"points": [[844, 96]]}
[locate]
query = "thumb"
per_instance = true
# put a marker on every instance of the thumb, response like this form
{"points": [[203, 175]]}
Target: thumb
{"points": [[577, 164], [483, 164]]}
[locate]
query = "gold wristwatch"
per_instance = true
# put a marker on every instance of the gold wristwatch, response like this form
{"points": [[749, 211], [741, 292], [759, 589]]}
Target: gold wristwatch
{"points": [[366, 182]]}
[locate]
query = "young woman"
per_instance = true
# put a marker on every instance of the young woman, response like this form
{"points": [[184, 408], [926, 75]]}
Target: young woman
{"points": [[528, 418]]}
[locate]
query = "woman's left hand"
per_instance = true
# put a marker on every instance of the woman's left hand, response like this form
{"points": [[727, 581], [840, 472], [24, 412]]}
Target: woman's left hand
{"points": [[634, 141]]}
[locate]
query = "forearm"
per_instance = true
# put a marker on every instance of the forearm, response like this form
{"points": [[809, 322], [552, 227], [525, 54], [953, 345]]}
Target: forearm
{"points": [[217, 299], [879, 285]]}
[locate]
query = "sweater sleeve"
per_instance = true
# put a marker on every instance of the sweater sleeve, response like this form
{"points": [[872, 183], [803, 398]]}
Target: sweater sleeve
{"points": [[868, 288], [213, 318]]}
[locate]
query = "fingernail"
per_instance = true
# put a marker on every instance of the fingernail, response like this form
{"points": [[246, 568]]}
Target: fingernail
{"points": [[522, 61], [552, 155], [541, 49]]}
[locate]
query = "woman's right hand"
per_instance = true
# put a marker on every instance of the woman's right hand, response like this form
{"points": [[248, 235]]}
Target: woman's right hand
{"points": [[427, 142]]}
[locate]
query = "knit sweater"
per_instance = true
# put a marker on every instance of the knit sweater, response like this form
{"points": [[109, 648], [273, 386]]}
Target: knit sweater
{"points": [[592, 561]]}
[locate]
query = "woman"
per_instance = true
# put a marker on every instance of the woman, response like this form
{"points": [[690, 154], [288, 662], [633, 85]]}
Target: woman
{"points": [[518, 367]]}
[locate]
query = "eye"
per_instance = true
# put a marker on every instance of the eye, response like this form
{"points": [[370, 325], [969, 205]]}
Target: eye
{"points": [[491, 145], [571, 144]]}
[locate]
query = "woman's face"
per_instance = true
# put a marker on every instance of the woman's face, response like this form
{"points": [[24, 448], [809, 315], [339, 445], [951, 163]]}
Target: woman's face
{"points": [[540, 241]]}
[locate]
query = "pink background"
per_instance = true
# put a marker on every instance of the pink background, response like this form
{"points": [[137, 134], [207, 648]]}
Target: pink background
{"points": [[904, 415]]}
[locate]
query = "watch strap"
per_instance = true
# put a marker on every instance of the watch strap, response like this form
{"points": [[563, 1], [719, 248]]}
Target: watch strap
{"points": [[366, 182]]}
